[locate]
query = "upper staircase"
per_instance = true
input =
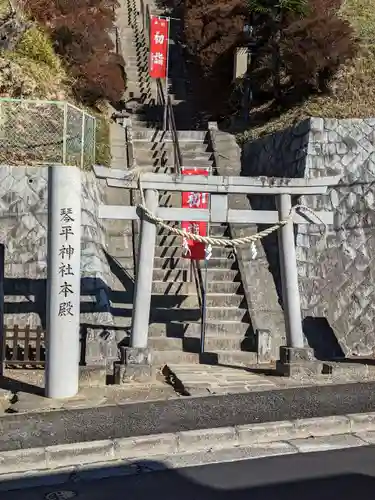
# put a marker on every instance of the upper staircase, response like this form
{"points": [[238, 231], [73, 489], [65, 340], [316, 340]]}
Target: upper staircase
{"points": [[176, 307]]}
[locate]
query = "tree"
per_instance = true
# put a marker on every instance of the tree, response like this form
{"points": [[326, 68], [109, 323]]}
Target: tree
{"points": [[80, 30], [275, 14]]}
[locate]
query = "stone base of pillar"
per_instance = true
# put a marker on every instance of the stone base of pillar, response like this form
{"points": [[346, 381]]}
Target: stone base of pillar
{"points": [[92, 376], [297, 362], [134, 366]]}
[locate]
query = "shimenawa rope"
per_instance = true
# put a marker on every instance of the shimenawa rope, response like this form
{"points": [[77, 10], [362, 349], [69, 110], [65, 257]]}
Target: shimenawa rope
{"points": [[227, 242]]}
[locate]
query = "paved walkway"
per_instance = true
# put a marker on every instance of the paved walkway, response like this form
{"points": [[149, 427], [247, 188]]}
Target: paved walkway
{"points": [[202, 380], [21, 391]]}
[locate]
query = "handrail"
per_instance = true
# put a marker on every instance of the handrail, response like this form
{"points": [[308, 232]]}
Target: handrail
{"points": [[133, 202], [170, 125], [176, 145], [201, 291], [145, 17]]}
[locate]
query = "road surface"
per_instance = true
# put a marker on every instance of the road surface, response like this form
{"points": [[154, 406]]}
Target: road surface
{"points": [[174, 415], [341, 475]]}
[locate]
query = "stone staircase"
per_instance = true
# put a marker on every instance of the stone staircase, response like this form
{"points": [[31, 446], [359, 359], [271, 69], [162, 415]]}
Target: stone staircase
{"points": [[175, 318]]}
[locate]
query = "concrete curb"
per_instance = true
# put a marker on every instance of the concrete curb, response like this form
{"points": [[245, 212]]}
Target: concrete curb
{"points": [[288, 435]]}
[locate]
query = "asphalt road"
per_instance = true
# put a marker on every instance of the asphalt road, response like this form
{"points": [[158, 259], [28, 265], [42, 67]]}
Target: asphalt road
{"points": [[69, 426], [341, 474]]}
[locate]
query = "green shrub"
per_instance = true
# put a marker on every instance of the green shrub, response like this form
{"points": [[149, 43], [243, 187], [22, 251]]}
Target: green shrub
{"points": [[361, 15], [103, 148], [36, 45]]}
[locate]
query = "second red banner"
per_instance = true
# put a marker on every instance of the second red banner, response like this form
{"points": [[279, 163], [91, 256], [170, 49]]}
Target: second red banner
{"points": [[195, 250]]}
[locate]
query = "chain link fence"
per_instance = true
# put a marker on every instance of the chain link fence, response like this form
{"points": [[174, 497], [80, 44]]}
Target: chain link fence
{"points": [[36, 132]]}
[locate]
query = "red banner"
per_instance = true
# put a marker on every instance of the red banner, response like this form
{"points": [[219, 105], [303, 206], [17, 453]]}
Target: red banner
{"points": [[159, 34], [196, 250]]}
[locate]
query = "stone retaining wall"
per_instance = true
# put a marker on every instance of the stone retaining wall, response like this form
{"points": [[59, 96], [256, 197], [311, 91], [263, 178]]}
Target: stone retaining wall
{"points": [[23, 232], [336, 282]]}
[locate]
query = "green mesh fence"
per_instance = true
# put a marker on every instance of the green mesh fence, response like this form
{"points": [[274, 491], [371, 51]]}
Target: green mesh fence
{"points": [[45, 132]]}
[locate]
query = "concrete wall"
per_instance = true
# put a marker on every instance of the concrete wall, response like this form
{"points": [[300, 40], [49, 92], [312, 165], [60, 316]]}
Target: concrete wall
{"points": [[23, 232], [336, 282]]}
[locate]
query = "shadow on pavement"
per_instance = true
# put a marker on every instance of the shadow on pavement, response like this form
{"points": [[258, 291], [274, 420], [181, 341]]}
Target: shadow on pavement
{"points": [[265, 479]]}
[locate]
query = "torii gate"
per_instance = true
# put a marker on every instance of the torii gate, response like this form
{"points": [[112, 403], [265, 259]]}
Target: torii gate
{"points": [[136, 359]]}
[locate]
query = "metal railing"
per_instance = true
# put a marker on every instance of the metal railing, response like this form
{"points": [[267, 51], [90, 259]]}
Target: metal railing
{"points": [[35, 132], [170, 124], [197, 275], [132, 164]]}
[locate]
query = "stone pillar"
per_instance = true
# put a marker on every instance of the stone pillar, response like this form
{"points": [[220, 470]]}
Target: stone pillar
{"points": [[289, 276], [135, 361], [295, 358], [63, 281]]}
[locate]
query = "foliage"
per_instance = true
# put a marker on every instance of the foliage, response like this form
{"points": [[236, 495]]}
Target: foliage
{"points": [[37, 46], [32, 69], [300, 45], [4, 9], [80, 31], [266, 7], [361, 14], [314, 48], [102, 144]]}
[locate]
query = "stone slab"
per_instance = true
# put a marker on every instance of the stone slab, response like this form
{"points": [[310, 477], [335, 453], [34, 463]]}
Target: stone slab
{"points": [[146, 445], [326, 443], [79, 453], [361, 422], [207, 438]]}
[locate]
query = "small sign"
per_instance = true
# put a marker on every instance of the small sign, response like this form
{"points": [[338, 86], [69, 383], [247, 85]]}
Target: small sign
{"points": [[159, 42]]}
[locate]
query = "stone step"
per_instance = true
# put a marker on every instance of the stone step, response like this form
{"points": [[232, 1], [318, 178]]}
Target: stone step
{"points": [[227, 313], [171, 289], [212, 274], [219, 263], [224, 287], [187, 163], [157, 147], [174, 224], [183, 135], [211, 344], [225, 300], [168, 240], [219, 230], [160, 358], [218, 357], [181, 329], [223, 275], [171, 263], [123, 321], [163, 315], [175, 302], [171, 275]]}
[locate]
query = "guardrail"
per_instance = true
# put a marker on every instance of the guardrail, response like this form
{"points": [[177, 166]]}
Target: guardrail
{"points": [[170, 124], [196, 271]]}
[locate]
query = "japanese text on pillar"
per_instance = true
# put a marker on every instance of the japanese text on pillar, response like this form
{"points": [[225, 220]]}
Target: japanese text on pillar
{"points": [[66, 253]]}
